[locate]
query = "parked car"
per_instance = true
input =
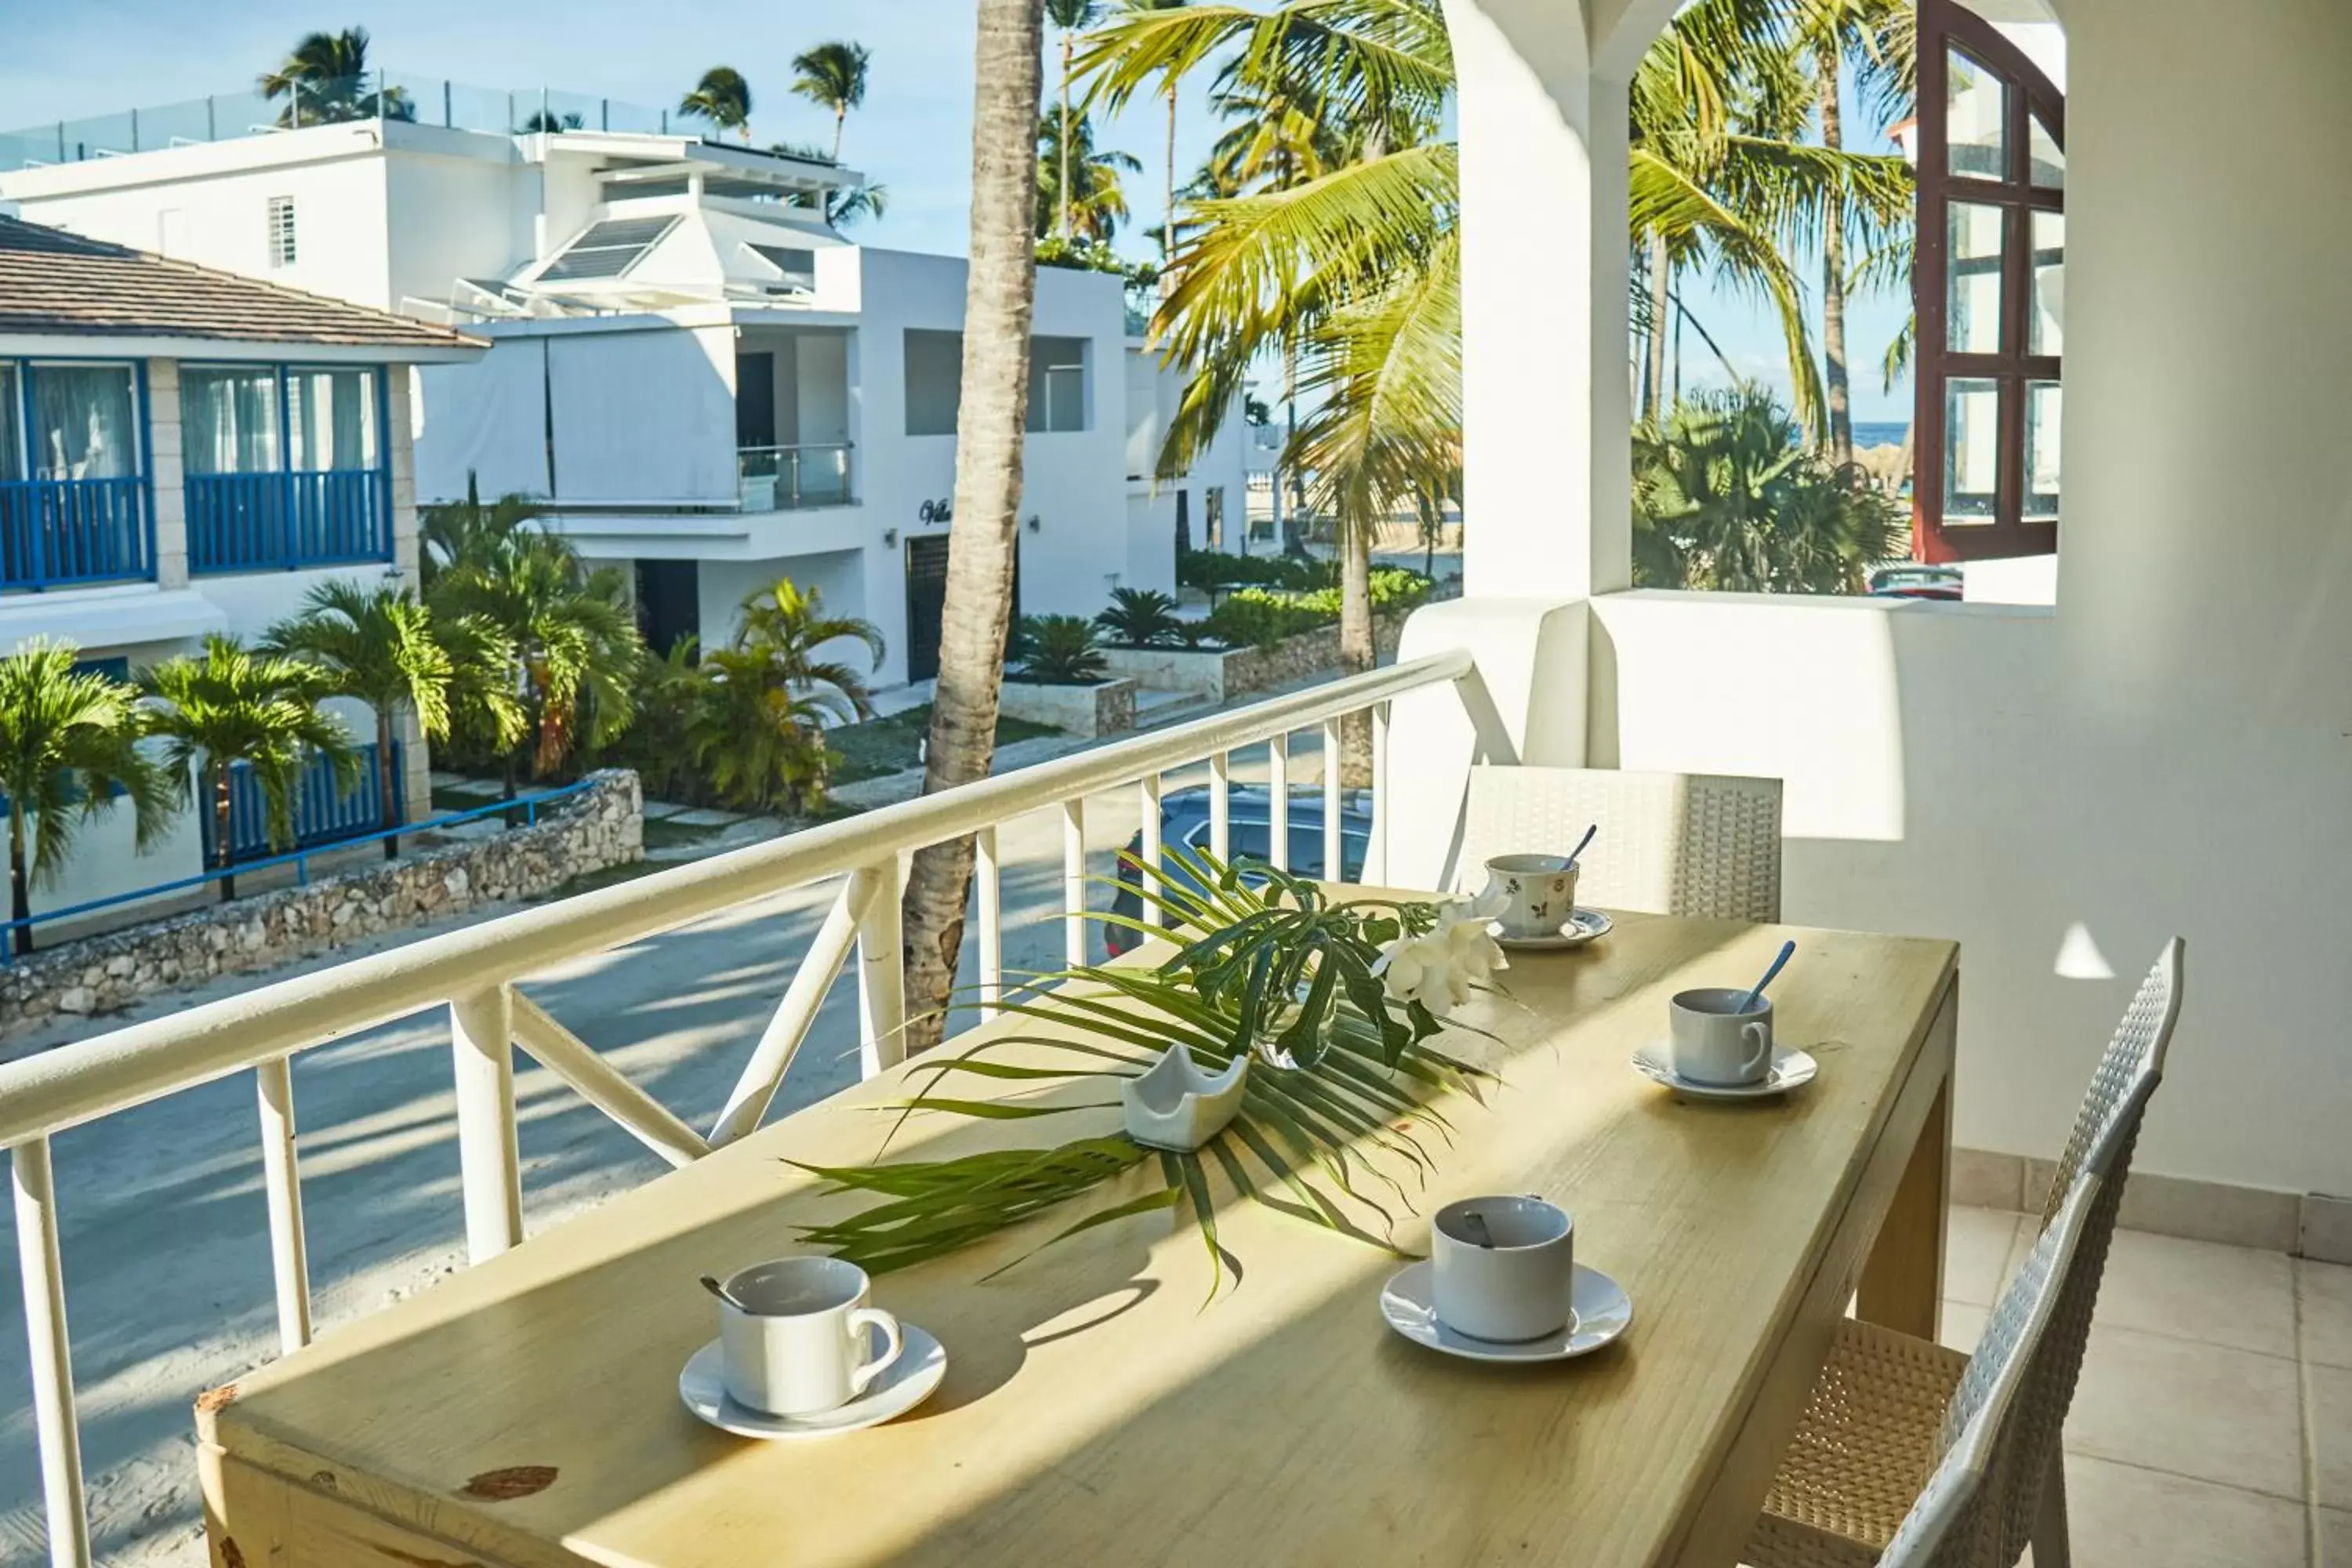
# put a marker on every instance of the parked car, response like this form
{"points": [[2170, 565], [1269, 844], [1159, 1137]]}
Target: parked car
{"points": [[1916, 580], [1184, 819]]}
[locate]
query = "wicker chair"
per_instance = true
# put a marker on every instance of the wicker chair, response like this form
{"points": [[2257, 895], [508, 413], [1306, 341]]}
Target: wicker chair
{"points": [[1884, 1469], [1676, 844]]}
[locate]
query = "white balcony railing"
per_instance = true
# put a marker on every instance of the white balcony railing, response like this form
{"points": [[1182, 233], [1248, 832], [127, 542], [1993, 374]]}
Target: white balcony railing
{"points": [[473, 972]]}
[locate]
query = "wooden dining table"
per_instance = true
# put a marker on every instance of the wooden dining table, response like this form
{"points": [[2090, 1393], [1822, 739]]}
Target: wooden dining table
{"points": [[1114, 1399]]}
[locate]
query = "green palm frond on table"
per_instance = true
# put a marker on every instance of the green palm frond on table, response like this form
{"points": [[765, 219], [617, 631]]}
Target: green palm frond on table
{"points": [[1265, 963]]}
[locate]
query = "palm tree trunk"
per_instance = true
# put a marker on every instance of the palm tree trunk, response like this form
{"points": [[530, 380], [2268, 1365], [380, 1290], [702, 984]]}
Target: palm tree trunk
{"points": [[1062, 143], [20, 890], [1168, 229], [386, 776], [1833, 268], [1662, 278], [999, 302], [223, 826], [840, 121], [1357, 650]]}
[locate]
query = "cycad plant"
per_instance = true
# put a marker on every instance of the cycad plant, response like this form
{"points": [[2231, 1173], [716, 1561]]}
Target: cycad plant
{"points": [[833, 75], [1141, 617], [723, 98], [1058, 651], [384, 648], [786, 627], [233, 705], [68, 747], [572, 645]]}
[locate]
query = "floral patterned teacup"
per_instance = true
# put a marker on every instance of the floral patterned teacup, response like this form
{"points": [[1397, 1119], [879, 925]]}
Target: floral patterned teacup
{"points": [[1535, 893]]}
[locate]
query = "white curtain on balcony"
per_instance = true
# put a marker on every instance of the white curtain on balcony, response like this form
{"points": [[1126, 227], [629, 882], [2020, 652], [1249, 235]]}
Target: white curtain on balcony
{"points": [[332, 413], [228, 419], [84, 422]]}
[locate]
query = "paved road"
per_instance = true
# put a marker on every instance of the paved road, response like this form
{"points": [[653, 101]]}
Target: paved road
{"points": [[165, 1239]]}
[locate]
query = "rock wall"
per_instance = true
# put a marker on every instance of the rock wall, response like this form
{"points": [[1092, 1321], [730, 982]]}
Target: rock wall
{"points": [[1106, 707], [1221, 674], [602, 825]]}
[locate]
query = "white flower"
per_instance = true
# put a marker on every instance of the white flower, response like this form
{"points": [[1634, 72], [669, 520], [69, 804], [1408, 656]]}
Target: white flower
{"points": [[1438, 968]]}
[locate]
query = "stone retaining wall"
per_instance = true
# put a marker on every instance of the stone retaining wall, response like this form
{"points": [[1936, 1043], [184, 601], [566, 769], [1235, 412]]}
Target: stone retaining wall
{"points": [[1106, 708], [1219, 675], [602, 825]]}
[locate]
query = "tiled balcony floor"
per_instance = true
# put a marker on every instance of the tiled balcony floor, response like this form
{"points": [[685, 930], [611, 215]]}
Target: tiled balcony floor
{"points": [[2213, 1424]]}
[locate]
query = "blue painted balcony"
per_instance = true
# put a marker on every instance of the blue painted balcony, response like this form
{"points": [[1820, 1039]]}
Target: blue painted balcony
{"points": [[280, 521], [67, 532], [322, 814]]}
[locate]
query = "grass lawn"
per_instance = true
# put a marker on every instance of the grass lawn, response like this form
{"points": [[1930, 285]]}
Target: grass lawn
{"points": [[881, 746]]}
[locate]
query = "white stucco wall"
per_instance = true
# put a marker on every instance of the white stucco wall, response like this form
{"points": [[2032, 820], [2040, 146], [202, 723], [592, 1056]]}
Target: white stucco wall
{"points": [[2166, 751]]}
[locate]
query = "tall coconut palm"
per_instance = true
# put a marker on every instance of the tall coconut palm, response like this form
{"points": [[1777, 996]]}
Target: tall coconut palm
{"points": [[999, 302], [572, 643], [68, 748], [786, 626], [1080, 192], [382, 647], [324, 80], [1169, 81], [833, 75], [235, 705], [1069, 16], [723, 98]]}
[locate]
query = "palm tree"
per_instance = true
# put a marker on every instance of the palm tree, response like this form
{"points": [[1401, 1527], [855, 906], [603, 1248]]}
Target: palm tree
{"points": [[759, 740], [1170, 80], [452, 531], [1000, 302], [68, 745], [1092, 201], [384, 647], [1069, 15], [723, 98], [833, 75], [786, 627], [573, 644], [324, 80], [236, 705]]}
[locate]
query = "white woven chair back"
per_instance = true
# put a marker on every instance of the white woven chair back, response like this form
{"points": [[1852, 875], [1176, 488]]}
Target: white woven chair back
{"points": [[1674, 844], [1977, 1509], [2135, 1059]]}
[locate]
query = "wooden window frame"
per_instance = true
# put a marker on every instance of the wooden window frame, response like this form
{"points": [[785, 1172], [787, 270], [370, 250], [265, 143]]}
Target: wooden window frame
{"points": [[1945, 24]]}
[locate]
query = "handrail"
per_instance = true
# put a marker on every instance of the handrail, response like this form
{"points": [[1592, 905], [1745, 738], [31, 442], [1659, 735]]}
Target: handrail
{"points": [[142, 1062], [530, 803]]}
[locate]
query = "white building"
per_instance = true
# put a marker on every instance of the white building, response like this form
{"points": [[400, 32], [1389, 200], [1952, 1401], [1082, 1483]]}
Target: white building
{"points": [[709, 383], [183, 451]]}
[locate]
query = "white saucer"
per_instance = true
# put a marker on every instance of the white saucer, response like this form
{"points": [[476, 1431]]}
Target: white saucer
{"points": [[1600, 1311], [1792, 1068], [1583, 926], [909, 1383]]}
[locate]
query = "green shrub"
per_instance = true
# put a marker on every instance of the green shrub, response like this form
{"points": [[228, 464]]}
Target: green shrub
{"points": [[1141, 617], [1256, 617], [1214, 572], [1058, 651]]}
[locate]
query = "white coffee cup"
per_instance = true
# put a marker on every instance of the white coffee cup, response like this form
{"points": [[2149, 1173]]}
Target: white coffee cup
{"points": [[798, 1344], [1538, 892], [1517, 1288], [1713, 1042]]}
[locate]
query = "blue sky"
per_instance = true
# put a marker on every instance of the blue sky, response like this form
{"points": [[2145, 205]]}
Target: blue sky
{"points": [[89, 57]]}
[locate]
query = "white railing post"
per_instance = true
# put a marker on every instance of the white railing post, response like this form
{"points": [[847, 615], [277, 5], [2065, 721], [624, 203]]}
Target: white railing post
{"points": [[1146, 882], [1335, 746], [1376, 854], [989, 888], [1220, 805], [281, 1177], [45, 1330], [1277, 803], [881, 972], [489, 1162], [1074, 881]]}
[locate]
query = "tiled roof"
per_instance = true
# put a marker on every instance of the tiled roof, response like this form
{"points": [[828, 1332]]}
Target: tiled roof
{"points": [[55, 282]]}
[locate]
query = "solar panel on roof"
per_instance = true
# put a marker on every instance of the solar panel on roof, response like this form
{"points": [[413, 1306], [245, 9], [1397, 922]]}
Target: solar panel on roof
{"points": [[609, 248]]}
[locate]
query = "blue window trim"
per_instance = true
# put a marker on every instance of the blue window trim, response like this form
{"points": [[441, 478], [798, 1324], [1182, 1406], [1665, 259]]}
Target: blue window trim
{"points": [[26, 368], [378, 472]]}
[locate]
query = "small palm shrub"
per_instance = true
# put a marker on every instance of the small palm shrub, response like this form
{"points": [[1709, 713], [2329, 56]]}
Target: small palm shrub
{"points": [[760, 743], [1141, 617], [1058, 651]]}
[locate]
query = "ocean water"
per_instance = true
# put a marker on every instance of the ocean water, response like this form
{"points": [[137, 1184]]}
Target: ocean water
{"points": [[1880, 432]]}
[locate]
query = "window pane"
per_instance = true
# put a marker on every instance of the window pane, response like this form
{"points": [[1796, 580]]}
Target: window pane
{"points": [[2045, 163], [84, 423], [2042, 404], [934, 381], [229, 418], [333, 416], [2045, 331], [1972, 450], [1972, 292], [12, 435], [1976, 119]]}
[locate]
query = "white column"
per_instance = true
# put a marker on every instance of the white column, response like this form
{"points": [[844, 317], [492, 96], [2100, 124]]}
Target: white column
{"points": [[400, 391], [166, 473]]}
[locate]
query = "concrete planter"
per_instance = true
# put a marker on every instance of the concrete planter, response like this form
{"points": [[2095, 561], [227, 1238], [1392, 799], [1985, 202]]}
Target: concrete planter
{"points": [[1106, 707], [1220, 675]]}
